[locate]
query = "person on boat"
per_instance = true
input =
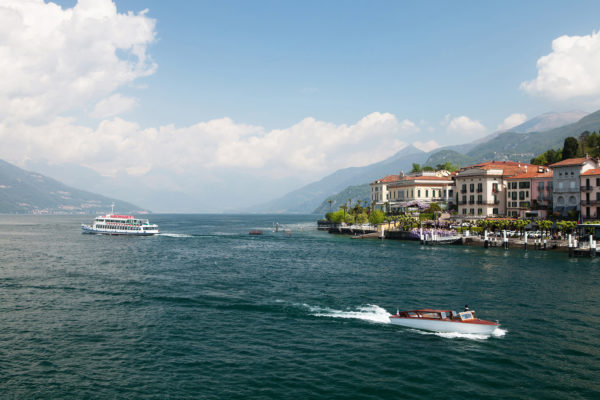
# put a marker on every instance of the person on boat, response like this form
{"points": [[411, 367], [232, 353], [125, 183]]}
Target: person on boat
{"points": [[466, 307]]}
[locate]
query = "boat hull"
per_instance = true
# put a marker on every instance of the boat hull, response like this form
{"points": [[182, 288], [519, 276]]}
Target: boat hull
{"points": [[91, 230], [478, 327]]}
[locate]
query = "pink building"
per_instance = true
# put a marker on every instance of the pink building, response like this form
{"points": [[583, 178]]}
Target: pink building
{"points": [[529, 194], [590, 194]]}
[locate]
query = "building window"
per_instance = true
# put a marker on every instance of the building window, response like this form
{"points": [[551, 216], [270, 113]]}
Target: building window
{"points": [[541, 186], [464, 211], [419, 193], [514, 185], [523, 185], [471, 199], [479, 199], [479, 188], [472, 187], [495, 187], [426, 193], [597, 181], [572, 185], [464, 200], [472, 211], [495, 211], [514, 196], [479, 211]]}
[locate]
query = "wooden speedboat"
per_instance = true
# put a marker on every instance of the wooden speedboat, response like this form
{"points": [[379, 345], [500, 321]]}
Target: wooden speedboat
{"points": [[444, 321]]}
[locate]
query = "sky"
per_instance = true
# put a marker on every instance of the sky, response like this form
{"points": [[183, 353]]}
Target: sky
{"points": [[258, 98]]}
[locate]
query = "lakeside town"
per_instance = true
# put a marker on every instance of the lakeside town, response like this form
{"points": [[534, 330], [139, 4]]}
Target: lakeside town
{"points": [[556, 204]]}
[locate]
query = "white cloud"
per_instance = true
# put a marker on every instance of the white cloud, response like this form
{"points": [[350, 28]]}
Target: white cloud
{"points": [[511, 121], [113, 105], [463, 127], [570, 70], [54, 60], [309, 147], [426, 146]]}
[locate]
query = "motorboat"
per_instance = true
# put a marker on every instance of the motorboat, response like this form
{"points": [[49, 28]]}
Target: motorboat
{"points": [[444, 321]]}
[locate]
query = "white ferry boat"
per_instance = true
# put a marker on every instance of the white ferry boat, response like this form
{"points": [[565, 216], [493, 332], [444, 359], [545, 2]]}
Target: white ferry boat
{"points": [[114, 224]]}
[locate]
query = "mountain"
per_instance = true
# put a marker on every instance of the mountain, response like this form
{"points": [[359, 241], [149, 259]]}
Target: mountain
{"points": [[524, 146], [308, 197], [359, 192], [547, 121], [454, 157], [25, 192]]}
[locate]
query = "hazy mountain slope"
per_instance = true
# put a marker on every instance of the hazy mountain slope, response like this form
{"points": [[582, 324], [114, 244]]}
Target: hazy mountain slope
{"points": [[22, 191], [308, 197], [359, 192], [454, 157], [524, 146], [547, 121]]}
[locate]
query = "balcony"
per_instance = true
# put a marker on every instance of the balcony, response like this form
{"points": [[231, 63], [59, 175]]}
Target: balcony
{"points": [[590, 202], [586, 188], [463, 190], [479, 190]]}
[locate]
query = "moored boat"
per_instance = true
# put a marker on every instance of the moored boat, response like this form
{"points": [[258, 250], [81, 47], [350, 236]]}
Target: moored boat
{"points": [[114, 224], [444, 321]]}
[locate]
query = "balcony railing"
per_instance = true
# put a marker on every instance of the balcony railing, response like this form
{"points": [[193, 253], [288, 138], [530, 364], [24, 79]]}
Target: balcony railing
{"points": [[590, 202], [587, 187], [485, 203]]}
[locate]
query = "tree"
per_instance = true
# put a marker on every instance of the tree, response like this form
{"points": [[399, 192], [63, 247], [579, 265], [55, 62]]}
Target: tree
{"points": [[376, 217], [337, 216], [416, 168], [349, 219], [330, 201], [570, 148], [427, 168], [447, 166], [362, 218], [433, 207], [544, 225]]}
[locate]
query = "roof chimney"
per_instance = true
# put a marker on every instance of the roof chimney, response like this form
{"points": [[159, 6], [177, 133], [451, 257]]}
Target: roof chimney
{"points": [[587, 155], [540, 169]]}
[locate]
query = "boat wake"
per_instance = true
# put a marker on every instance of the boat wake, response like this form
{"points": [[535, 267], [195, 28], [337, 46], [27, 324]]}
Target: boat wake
{"points": [[369, 312], [175, 235]]}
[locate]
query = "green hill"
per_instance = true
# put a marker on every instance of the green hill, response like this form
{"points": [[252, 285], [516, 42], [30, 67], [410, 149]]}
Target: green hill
{"points": [[359, 192], [442, 156], [25, 192]]}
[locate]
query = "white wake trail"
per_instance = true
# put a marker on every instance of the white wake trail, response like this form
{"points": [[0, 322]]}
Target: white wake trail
{"points": [[369, 312]]}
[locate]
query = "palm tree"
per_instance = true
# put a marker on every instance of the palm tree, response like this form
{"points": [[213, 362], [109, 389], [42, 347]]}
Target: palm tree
{"points": [[330, 201]]}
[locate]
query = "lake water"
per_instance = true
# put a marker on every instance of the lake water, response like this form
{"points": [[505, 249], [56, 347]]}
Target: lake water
{"points": [[205, 310]]}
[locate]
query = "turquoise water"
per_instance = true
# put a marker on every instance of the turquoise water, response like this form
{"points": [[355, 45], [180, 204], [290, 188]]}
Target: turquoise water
{"points": [[206, 311]]}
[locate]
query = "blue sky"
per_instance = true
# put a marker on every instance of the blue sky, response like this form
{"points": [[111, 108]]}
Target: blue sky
{"points": [[190, 96], [274, 63]]}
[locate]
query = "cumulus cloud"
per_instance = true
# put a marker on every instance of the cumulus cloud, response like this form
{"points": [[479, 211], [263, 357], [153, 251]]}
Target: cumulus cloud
{"points": [[464, 127], [570, 70], [113, 105], [308, 147], [511, 121], [53, 60]]}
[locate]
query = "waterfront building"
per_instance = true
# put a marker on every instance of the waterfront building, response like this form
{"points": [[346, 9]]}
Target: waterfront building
{"points": [[529, 194], [481, 188], [567, 183], [590, 194], [433, 187], [379, 189]]}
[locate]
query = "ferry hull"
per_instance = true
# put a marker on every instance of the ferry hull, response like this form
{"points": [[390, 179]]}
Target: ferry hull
{"points": [[90, 230], [445, 326]]}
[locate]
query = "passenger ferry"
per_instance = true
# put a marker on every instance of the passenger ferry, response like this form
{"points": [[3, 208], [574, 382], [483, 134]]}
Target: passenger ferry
{"points": [[113, 224]]}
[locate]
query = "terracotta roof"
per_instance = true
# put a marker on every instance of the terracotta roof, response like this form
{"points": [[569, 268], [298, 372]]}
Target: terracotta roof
{"points": [[533, 174], [427, 178], [387, 179], [570, 161], [508, 168], [595, 171]]}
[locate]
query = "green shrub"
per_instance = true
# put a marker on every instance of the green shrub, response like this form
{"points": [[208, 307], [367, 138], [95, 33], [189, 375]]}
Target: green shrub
{"points": [[376, 217]]}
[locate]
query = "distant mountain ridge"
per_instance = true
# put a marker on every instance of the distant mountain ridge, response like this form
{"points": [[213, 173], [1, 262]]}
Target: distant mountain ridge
{"points": [[309, 197], [25, 192]]}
